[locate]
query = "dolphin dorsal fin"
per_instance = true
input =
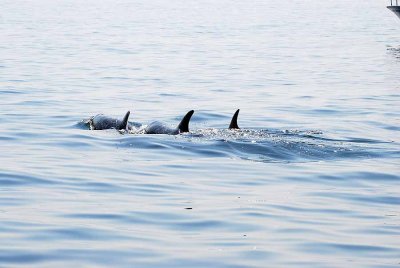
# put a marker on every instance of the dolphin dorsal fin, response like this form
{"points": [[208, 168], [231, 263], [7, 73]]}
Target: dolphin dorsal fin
{"points": [[184, 124], [124, 121], [234, 124]]}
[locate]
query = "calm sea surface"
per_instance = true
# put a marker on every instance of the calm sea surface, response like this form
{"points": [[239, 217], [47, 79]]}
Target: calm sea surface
{"points": [[312, 180]]}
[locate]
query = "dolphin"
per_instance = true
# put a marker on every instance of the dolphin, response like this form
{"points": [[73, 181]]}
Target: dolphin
{"points": [[161, 128], [101, 121], [234, 124]]}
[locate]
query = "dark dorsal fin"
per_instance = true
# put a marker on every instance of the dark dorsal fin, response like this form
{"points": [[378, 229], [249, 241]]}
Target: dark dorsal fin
{"points": [[184, 124], [124, 121], [234, 124]]}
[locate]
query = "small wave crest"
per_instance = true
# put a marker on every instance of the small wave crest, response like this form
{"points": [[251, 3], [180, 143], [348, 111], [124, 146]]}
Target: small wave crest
{"points": [[259, 145], [265, 145]]}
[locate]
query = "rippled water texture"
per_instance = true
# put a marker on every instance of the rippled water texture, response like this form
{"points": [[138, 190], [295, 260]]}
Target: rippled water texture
{"points": [[311, 180]]}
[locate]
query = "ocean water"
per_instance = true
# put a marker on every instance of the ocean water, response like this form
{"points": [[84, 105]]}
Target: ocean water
{"points": [[311, 180]]}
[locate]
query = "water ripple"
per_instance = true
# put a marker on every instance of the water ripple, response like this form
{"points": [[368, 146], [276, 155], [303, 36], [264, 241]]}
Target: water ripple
{"points": [[311, 179]]}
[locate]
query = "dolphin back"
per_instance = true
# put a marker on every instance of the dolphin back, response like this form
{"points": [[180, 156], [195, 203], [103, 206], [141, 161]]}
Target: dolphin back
{"points": [[157, 127], [100, 121], [234, 124], [124, 122], [184, 124]]}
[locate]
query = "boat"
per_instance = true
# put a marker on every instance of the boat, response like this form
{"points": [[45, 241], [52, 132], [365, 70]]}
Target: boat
{"points": [[395, 7]]}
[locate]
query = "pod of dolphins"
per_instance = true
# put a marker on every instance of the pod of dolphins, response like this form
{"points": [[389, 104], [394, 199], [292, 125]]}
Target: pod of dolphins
{"points": [[101, 121]]}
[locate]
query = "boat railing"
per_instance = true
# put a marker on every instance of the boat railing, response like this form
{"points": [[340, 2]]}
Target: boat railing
{"points": [[394, 6]]}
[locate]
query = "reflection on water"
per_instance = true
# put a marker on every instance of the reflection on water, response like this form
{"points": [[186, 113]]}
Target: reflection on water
{"points": [[311, 179]]}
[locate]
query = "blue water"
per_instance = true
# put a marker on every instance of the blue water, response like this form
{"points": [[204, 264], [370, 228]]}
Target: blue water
{"points": [[311, 180]]}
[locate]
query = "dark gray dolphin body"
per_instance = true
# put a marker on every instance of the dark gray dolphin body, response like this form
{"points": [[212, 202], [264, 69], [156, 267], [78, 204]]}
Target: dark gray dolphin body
{"points": [[161, 128], [234, 124], [101, 121]]}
